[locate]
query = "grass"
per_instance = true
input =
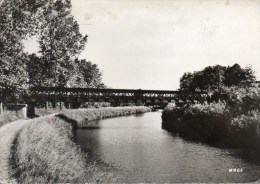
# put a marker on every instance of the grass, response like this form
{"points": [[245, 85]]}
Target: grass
{"points": [[9, 116], [87, 117], [41, 150], [8, 134], [44, 112], [45, 153]]}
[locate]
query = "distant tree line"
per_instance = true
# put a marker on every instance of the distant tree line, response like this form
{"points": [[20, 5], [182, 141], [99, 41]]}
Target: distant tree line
{"points": [[60, 43], [214, 78]]}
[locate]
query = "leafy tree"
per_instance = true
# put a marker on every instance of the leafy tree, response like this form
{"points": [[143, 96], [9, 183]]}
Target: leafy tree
{"points": [[87, 75], [210, 78], [36, 71], [235, 75], [214, 78], [60, 41], [186, 81], [16, 23]]}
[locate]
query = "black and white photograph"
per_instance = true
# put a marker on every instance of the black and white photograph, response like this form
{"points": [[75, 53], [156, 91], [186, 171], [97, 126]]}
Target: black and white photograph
{"points": [[129, 91]]}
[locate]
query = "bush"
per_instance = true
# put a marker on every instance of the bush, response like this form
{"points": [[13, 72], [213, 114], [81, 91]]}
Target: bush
{"points": [[234, 120], [208, 109], [172, 118], [207, 122], [245, 130], [242, 100]]}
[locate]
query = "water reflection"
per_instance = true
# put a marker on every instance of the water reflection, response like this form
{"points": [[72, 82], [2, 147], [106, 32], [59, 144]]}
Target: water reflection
{"points": [[147, 153]]}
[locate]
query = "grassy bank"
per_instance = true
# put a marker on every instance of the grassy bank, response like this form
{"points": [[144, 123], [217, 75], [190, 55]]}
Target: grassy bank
{"points": [[46, 153], [9, 116], [42, 151], [233, 121], [87, 117], [8, 134]]}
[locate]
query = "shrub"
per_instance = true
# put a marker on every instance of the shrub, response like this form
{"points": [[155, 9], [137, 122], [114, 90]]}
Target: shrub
{"points": [[207, 122], [245, 129], [234, 120], [242, 100], [209, 109], [172, 117]]}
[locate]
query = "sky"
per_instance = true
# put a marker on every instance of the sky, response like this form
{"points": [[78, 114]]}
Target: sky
{"points": [[149, 44]]}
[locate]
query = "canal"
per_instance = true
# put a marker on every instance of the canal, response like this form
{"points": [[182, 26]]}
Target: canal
{"points": [[143, 152]]}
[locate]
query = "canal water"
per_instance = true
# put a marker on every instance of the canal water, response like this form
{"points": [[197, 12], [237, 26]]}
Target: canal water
{"points": [[140, 149]]}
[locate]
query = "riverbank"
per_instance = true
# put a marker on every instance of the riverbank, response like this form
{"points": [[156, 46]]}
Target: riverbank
{"points": [[233, 121], [86, 118], [41, 150]]}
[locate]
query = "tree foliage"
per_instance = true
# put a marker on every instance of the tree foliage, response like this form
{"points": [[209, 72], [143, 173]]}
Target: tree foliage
{"points": [[60, 41], [90, 75], [15, 25], [235, 75], [85, 73], [60, 44], [214, 78]]}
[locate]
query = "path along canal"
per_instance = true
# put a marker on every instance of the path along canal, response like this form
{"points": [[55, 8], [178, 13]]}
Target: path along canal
{"points": [[138, 146]]}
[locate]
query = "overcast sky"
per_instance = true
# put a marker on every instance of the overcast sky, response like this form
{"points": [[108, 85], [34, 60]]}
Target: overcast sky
{"points": [[149, 44]]}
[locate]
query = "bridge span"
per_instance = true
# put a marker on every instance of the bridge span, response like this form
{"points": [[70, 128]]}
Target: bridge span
{"points": [[78, 97], [114, 96]]}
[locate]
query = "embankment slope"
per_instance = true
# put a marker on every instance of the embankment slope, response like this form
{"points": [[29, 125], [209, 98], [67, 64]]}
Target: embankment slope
{"points": [[42, 150]]}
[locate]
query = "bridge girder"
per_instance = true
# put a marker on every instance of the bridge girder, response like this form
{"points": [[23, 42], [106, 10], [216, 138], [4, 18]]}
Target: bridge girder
{"points": [[58, 94]]}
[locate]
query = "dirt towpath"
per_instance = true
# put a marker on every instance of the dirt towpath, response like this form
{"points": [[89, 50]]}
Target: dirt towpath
{"points": [[8, 133]]}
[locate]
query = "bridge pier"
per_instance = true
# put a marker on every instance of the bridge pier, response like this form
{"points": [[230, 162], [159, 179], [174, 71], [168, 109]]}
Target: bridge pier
{"points": [[1, 108], [31, 109], [67, 105], [53, 103], [46, 105], [60, 105], [25, 109], [138, 102]]}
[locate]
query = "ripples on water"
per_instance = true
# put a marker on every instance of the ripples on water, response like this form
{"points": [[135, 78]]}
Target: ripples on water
{"points": [[144, 152]]}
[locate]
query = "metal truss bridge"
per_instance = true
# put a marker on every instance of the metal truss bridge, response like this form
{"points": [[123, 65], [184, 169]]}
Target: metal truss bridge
{"points": [[114, 96]]}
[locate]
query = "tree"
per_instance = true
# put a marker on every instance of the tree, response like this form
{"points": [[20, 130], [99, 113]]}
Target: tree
{"points": [[60, 42], [16, 23], [210, 78], [87, 75], [235, 75], [36, 71], [186, 81], [214, 78]]}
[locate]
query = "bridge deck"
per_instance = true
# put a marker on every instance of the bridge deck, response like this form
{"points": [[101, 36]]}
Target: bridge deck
{"points": [[61, 94], [108, 90], [85, 94]]}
